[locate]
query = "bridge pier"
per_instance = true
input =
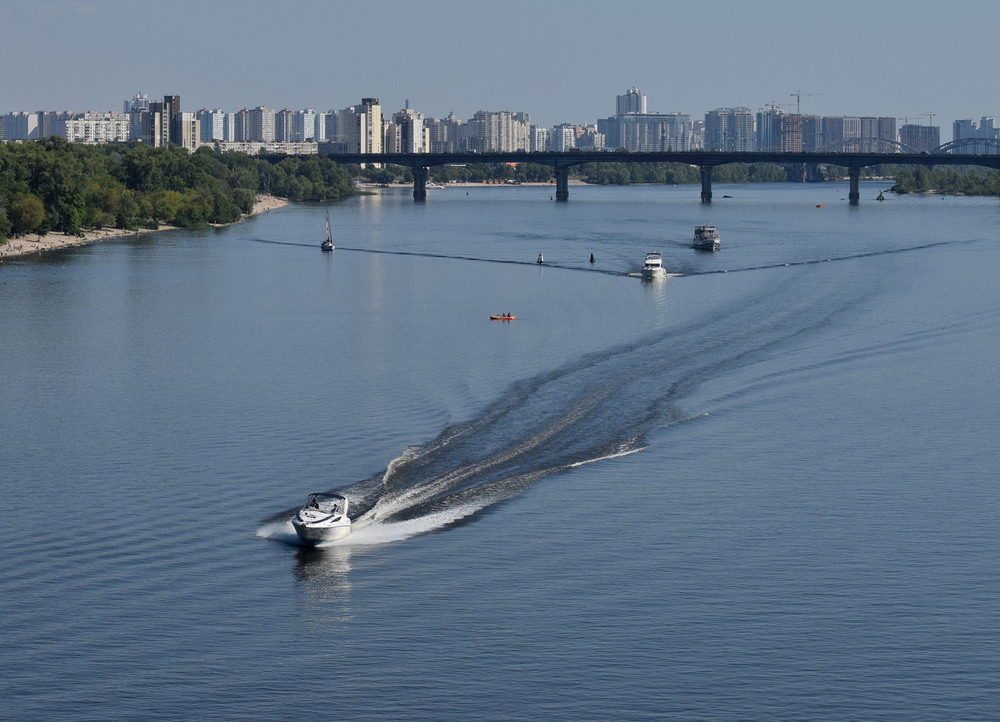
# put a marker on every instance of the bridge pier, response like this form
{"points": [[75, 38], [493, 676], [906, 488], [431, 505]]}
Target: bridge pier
{"points": [[420, 184], [562, 183], [853, 195], [706, 183]]}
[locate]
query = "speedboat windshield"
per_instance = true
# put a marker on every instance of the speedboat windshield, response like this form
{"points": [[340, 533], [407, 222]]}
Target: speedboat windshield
{"points": [[329, 503]]}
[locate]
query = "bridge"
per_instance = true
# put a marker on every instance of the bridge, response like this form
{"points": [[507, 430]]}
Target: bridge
{"points": [[561, 162]]}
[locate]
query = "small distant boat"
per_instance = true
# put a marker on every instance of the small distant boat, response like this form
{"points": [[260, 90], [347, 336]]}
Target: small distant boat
{"points": [[706, 238], [323, 518], [653, 267], [541, 259], [503, 317], [327, 245]]}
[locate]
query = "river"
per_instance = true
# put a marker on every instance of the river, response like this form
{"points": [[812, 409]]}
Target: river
{"points": [[761, 488]]}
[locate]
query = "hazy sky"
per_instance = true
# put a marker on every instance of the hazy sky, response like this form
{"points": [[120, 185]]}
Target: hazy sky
{"points": [[557, 60]]}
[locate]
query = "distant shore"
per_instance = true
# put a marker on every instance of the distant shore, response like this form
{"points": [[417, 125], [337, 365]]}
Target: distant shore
{"points": [[466, 184], [32, 243]]}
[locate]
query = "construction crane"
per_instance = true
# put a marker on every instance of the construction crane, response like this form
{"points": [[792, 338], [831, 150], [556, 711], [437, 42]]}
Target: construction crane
{"points": [[798, 99], [774, 105]]}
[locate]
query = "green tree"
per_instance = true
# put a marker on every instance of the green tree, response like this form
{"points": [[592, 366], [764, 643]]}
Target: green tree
{"points": [[5, 228], [26, 213]]}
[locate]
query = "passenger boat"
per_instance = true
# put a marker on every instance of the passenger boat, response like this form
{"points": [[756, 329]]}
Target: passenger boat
{"points": [[706, 238], [653, 267], [323, 518], [327, 245], [503, 317]]}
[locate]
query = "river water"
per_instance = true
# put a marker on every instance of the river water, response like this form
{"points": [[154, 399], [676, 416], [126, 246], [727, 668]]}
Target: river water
{"points": [[763, 488]]}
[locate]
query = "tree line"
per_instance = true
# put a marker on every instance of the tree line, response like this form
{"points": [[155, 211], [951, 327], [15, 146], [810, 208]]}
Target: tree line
{"points": [[53, 185], [966, 180]]}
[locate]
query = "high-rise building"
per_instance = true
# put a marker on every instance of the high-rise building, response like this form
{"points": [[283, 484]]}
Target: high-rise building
{"points": [[791, 134], [921, 138], [241, 126], [172, 119], [769, 129], [262, 122], [304, 126], [358, 128], [409, 135], [444, 134], [502, 131], [326, 126], [647, 132], [635, 129], [153, 131], [283, 125], [563, 137], [212, 125], [370, 126], [93, 127], [729, 129], [539, 139], [632, 102], [21, 126]]}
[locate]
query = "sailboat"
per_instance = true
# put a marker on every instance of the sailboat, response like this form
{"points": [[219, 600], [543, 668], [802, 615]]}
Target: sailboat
{"points": [[327, 245]]}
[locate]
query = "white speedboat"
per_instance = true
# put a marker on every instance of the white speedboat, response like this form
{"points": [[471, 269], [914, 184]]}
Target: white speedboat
{"points": [[653, 268], [323, 518], [706, 238], [327, 245]]}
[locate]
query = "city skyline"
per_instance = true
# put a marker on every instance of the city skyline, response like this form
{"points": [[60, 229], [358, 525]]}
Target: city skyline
{"points": [[560, 62]]}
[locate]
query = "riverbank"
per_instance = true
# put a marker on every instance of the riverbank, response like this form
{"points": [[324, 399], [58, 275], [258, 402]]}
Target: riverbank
{"points": [[466, 184], [36, 244]]}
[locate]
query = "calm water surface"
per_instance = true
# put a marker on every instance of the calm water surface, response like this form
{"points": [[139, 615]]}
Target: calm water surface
{"points": [[764, 488]]}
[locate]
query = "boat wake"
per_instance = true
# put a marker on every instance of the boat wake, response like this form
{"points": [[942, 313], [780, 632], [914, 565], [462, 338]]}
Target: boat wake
{"points": [[599, 406]]}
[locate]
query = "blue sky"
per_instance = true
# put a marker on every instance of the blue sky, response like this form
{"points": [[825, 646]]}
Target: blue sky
{"points": [[559, 61]]}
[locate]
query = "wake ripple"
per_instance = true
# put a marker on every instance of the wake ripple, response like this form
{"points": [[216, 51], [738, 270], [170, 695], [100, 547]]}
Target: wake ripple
{"points": [[597, 407]]}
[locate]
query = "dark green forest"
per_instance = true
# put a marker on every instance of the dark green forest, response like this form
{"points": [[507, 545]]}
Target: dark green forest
{"points": [[966, 180], [52, 185]]}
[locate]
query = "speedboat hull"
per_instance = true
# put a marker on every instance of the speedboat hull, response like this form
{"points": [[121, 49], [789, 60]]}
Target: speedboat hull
{"points": [[317, 534]]}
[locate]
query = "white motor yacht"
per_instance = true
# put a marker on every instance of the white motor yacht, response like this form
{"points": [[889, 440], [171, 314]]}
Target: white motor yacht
{"points": [[653, 268], [323, 518]]}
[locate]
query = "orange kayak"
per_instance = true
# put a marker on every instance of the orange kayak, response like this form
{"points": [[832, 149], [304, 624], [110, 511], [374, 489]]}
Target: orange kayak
{"points": [[502, 318]]}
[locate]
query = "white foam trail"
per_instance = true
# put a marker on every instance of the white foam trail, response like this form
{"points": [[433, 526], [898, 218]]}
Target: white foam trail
{"points": [[376, 533], [613, 455], [282, 531]]}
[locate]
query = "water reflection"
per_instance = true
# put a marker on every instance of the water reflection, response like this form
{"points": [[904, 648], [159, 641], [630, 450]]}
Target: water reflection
{"points": [[324, 574]]}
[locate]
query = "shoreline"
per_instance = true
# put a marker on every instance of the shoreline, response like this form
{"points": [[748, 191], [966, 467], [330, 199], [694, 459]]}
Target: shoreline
{"points": [[28, 246], [364, 185]]}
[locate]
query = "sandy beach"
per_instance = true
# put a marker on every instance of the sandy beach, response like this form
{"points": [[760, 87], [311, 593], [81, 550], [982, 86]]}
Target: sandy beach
{"points": [[33, 243]]}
